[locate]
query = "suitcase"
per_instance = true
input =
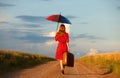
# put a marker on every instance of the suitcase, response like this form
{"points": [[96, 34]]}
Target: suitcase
{"points": [[68, 59]]}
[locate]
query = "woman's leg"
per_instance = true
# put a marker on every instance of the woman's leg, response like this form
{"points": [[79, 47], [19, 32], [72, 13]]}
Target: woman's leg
{"points": [[61, 66]]}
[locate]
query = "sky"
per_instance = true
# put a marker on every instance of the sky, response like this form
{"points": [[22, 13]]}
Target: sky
{"points": [[95, 25]]}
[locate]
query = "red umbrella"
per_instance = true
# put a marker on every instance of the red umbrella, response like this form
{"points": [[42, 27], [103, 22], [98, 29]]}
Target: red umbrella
{"points": [[58, 18]]}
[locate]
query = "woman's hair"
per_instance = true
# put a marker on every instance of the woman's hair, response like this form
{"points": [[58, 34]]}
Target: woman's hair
{"points": [[62, 25]]}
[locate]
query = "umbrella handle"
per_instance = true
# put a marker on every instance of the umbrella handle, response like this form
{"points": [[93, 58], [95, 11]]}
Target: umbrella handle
{"points": [[57, 26]]}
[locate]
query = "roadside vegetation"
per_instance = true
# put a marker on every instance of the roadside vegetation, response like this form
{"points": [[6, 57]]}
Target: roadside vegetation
{"points": [[109, 60], [14, 60]]}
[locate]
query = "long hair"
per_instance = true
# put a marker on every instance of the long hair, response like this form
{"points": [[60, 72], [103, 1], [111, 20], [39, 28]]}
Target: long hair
{"points": [[62, 30]]}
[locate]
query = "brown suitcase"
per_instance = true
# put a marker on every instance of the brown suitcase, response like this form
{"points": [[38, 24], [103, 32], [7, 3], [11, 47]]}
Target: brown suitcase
{"points": [[68, 59]]}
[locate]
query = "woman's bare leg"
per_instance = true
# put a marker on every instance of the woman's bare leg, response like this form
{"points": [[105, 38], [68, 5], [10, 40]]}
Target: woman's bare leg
{"points": [[61, 66]]}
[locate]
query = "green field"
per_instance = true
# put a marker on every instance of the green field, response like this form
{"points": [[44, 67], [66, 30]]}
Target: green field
{"points": [[109, 60], [13, 60]]}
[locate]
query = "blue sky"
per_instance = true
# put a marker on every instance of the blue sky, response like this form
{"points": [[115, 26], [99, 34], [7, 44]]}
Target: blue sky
{"points": [[95, 25]]}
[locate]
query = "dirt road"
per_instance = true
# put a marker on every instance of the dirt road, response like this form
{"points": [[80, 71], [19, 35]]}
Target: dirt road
{"points": [[52, 70]]}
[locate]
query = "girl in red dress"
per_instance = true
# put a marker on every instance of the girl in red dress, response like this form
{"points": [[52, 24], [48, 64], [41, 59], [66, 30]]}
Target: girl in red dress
{"points": [[63, 44]]}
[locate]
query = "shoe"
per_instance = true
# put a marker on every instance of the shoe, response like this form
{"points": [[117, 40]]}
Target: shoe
{"points": [[64, 66], [62, 71]]}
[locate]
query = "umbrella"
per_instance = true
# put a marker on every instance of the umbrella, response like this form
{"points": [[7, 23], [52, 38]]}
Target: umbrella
{"points": [[58, 18]]}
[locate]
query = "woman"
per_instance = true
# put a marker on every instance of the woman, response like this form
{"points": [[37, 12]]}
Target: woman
{"points": [[63, 44]]}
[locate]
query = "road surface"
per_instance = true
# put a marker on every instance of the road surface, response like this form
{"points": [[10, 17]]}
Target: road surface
{"points": [[52, 70]]}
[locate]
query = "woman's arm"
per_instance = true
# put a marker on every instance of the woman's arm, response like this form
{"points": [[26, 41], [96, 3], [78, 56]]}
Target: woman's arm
{"points": [[56, 36], [68, 46], [68, 42]]}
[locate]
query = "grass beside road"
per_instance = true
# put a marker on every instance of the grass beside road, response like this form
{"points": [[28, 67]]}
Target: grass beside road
{"points": [[13, 60], [105, 60]]}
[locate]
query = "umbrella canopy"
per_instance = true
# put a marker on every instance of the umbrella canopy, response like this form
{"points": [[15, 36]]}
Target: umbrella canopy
{"points": [[58, 18]]}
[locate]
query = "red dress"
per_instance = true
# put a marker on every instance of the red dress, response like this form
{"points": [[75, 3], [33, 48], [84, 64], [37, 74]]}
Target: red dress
{"points": [[62, 45]]}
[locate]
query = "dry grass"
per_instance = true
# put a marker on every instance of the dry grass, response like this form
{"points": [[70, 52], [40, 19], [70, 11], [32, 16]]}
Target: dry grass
{"points": [[109, 60], [11, 60]]}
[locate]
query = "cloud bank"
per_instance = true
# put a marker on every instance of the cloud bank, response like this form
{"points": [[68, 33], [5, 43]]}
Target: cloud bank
{"points": [[6, 5], [88, 36], [32, 19]]}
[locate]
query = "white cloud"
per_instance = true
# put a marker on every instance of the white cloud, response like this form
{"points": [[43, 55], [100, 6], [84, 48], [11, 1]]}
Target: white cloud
{"points": [[4, 17], [67, 28], [93, 51], [50, 42], [51, 34]]}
